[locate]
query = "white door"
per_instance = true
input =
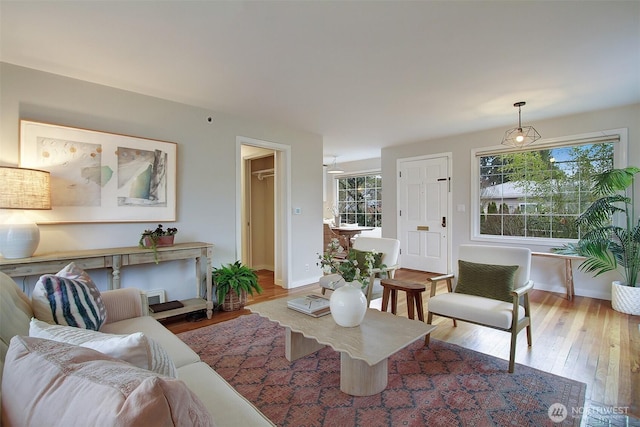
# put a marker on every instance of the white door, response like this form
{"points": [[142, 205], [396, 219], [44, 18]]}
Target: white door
{"points": [[423, 222]]}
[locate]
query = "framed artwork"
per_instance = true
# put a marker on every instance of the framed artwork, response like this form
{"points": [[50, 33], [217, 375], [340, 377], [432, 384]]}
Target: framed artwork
{"points": [[101, 177]]}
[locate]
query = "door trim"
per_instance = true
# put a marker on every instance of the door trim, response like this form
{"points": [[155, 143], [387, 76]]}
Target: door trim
{"points": [[449, 157], [282, 189]]}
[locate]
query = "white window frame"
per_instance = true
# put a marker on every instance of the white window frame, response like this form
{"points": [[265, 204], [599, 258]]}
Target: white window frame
{"points": [[619, 161], [353, 175]]}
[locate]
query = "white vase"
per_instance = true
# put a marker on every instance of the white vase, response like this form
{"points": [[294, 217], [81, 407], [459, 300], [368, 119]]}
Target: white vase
{"points": [[625, 299], [348, 305]]}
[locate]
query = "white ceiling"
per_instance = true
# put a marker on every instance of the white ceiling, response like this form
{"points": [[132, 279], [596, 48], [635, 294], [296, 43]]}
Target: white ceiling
{"points": [[364, 74]]}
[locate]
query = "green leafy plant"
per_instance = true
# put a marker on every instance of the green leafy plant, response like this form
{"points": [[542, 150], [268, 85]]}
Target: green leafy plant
{"points": [[151, 238], [605, 244], [237, 277], [332, 261]]}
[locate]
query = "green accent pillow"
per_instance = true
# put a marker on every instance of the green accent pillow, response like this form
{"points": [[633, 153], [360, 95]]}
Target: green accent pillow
{"points": [[360, 256], [486, 280]]}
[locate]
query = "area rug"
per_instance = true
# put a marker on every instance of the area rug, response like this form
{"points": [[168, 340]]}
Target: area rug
{"points": [[440, 385]]}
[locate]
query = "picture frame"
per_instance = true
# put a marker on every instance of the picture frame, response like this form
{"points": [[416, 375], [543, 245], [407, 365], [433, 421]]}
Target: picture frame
{"points": [[101, 177]]}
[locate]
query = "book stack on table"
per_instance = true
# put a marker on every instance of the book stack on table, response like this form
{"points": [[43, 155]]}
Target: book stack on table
{"points": [[312, 305]]}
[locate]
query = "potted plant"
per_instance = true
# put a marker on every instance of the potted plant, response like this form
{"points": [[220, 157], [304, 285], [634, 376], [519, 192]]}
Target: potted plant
{"points": [[233, 283], [606, 244], [157, 238]]}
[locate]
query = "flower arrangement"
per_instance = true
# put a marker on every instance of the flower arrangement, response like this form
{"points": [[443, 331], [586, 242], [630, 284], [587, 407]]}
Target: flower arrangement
{"points": [[348, 267]]}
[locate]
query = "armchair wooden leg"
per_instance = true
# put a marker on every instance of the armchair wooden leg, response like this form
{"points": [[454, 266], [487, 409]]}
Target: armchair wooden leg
{"points": [[324, 290], [429, 320], [529, 341], [512, 352]]}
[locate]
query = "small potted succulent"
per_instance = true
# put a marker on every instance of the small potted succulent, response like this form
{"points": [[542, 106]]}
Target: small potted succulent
{"points": [[233, 283], [157, 238]]}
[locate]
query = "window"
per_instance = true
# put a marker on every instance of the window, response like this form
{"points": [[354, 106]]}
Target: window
{"points": [[537, 194], [360, 199]]}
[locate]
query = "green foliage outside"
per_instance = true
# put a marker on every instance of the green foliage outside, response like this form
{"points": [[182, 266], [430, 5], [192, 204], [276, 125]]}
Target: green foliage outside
{"points": [[550, 189], [360, 200]]}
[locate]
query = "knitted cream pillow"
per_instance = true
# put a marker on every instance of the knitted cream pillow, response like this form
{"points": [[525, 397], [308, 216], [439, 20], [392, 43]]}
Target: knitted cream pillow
{"points": [[136, 348]]}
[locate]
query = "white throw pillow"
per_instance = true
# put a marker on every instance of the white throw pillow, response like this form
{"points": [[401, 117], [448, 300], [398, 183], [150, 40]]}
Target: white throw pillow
{"points": [[69, 298], [136, 348]]}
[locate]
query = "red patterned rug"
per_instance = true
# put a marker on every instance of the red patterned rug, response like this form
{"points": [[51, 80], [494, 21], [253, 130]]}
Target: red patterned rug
{"points": [[439, 385]]}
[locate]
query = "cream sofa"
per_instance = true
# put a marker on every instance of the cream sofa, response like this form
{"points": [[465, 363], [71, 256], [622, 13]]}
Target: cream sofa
{"points": [[125, 316]]}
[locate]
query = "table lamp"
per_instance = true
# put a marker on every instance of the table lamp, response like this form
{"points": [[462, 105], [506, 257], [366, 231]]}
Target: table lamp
{"points": [[22, 189]]}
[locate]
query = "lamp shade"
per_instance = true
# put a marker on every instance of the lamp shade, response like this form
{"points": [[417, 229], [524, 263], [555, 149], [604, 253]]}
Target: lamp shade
{"points": [[334, 169], [22, 189]]}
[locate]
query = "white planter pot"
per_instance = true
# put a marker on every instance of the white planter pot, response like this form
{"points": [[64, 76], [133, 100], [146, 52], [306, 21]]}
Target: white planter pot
{"points": [[625, 299], [348, 305]]}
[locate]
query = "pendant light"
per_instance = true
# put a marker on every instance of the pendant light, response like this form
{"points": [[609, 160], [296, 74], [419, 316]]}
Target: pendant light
{"points": [[520, 136], [333, 169]]}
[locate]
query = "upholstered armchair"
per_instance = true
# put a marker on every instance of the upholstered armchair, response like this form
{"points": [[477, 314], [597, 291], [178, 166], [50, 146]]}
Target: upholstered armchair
{"points": [[390, 250], [492, 290]]}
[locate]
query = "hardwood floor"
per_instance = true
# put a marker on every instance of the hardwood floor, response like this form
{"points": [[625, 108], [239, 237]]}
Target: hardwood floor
{"points": [[583, 339]]}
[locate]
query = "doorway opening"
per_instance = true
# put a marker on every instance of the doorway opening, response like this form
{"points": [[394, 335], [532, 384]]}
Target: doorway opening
{"points": [[263, 206]]}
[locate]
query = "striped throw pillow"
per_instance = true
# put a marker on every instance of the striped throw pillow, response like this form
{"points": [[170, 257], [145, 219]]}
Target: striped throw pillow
{"points": [[69, 298]]}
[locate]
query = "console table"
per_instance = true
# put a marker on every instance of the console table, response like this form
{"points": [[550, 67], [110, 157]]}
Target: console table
{"points": [[115, 258], [568, 269]]}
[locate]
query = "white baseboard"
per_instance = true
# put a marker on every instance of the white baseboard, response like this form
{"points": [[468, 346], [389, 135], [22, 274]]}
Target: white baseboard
{"points": [[604, 294]]}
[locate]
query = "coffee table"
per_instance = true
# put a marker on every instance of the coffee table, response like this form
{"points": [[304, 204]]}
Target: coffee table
{"points": [[364, 350]]}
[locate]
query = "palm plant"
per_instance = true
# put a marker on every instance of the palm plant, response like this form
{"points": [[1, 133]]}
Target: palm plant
{"points": [[606, 245]]}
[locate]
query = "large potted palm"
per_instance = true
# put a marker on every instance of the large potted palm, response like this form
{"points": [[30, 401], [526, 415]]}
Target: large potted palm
{"points": [[607, 244]]}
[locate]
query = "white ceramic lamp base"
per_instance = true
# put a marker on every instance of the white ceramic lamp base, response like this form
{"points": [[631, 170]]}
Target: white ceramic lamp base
{"points": [[19, 240]]}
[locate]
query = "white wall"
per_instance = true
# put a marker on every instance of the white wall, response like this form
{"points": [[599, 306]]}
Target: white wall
{"points": [[206, 171], [547, 273]]}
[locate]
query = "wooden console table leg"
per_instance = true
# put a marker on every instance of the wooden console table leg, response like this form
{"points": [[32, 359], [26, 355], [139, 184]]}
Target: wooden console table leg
{"points": [[568, 274], [297, 345], [357, 378], [114, 279]]}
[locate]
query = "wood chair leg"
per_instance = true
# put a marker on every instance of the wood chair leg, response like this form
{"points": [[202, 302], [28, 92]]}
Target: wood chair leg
{"points": [[512, 352], [324, 290], [529, 341], [429, 320]]}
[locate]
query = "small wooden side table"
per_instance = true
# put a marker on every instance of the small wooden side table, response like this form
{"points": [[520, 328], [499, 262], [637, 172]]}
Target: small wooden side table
{"points": [[414, 296]]}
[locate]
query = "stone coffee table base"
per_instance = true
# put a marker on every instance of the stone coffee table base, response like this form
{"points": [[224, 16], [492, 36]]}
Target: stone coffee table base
{"points": [[364, 350]]}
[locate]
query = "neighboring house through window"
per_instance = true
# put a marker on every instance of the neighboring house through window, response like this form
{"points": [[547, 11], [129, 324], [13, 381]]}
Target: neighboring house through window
{"points": [[360, 199], [537, 193]]}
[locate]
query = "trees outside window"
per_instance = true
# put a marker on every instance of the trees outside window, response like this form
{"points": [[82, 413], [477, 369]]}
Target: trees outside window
{"points": [[360, 199], [539, 193]]}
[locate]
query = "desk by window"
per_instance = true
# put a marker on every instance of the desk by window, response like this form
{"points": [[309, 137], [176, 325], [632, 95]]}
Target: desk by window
{"points": [[350, 231]]}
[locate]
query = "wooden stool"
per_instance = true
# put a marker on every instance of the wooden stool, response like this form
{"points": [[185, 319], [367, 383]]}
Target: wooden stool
{"points": [[414, 296]]}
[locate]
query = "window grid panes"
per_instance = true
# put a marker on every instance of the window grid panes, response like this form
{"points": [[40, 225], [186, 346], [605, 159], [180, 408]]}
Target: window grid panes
{"points": [[360, 200], [539, 193]]}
